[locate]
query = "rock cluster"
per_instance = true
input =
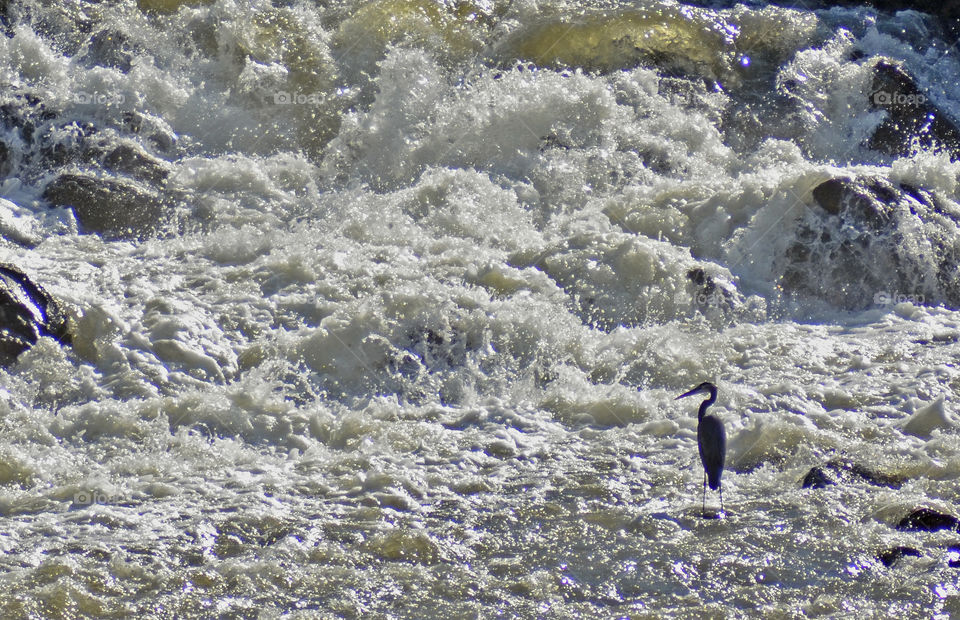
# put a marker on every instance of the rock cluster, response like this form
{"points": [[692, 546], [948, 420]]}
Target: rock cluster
{"points": [[27, 312]]}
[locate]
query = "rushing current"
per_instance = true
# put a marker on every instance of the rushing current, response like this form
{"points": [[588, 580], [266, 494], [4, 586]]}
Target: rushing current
{"points": [[379, 308]]}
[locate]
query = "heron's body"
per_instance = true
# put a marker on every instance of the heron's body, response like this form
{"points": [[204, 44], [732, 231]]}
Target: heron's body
{"points": [[711, 441], [710, 431]]}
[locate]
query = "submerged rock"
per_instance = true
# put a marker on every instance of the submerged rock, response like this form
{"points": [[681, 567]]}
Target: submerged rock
{"points": [[842, 470], [27, 312], [42, 139], [890, 556], [154, 128], [714, 294], [137, 163], [953, 560], [817, 478], [108, 48], [912, 120], [928, 520], [17, 224], [6, 160], [112, 208]]}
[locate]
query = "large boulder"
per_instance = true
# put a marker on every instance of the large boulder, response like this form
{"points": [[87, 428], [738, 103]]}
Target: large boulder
{"points": [[27, 312], [928, 520], [112, 208], [868, 241], [912, 119], [676, 39], [843, 471]]}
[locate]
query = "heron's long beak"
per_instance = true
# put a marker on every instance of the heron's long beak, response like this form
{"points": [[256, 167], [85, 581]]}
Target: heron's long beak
{"points": [[695, 390]]}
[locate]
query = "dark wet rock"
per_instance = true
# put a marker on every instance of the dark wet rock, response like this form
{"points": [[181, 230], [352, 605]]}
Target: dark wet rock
{"points": [[928, 520], [869, 241], [110, 207], [165, 141], [872, 477], [912, 119], [842, 470], [88, 146], [866, 201], [938, 339], [6, 160], [436, 350], [27, 312], [24, 114], [890, 556], [953, 557], [817, 478], [136, 163], [712, 294], [108, 48], [57, 152], [156, 130], [40, 139], [699, 277]]}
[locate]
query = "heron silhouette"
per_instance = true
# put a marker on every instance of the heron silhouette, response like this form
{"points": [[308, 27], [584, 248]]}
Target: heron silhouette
{"points": [[711, 441]]}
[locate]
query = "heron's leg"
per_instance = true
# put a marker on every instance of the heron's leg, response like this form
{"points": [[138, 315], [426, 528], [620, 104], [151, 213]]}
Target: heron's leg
{"points": [[703, 503], [721, 497]]}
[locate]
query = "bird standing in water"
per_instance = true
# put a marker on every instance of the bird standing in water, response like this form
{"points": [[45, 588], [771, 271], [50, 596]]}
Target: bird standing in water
{"points": [[711, 440]]}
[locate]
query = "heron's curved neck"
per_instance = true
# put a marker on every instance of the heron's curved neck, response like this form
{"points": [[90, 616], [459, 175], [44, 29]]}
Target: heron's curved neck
{"points": [[707, 403]]}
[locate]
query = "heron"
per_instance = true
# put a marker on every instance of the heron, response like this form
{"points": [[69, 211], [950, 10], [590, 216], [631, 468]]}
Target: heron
{"points": [[711, 441]]}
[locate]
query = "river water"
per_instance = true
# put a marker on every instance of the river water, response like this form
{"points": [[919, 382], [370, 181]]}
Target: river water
{"points": [[401, 331]]}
